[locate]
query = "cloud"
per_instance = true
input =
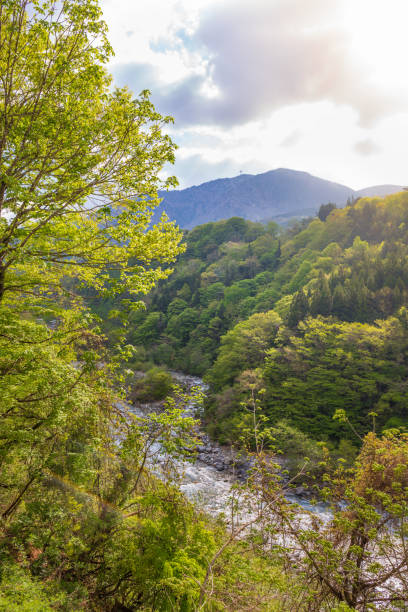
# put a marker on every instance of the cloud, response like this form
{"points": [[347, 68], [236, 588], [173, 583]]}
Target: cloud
{"points": [[194, 139], [291, 139], [196, 169], [262, 56], [137, 76], [366, 147]]}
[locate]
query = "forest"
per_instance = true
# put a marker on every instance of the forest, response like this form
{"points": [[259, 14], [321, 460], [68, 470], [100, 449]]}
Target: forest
{"points": [[314, 313], [301, 334]]}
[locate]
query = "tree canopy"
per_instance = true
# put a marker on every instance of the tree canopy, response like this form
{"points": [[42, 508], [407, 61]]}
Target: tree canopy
{"points": [[79, 160], [342, 282]]}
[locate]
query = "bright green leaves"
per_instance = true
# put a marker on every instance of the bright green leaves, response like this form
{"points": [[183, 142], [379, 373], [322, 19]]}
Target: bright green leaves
{"points": [[336, 368], [20, 592], [244, 347], [79, 162]]}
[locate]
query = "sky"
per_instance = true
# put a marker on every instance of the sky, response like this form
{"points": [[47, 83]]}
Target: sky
{"points": [[253, 85]]}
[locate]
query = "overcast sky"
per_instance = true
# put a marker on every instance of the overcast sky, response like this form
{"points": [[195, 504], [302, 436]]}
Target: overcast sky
{"points": [[253, 85]]}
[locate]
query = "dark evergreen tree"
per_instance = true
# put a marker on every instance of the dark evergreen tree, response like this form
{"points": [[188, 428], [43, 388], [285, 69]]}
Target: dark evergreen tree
{"points": [[278, 254], [341, 304], [322, 300], [325, 210], [298, 309]]}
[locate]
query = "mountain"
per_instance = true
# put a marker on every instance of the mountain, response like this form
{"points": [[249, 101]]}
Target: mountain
{"points": [[278, 194], [379, 190]]}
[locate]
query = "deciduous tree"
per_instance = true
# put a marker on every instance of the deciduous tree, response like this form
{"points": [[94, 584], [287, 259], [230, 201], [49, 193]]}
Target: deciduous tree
{"points": [[79, 160]]}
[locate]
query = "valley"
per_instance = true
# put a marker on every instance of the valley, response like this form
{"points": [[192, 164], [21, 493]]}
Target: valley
{"points": [[203, 391]]}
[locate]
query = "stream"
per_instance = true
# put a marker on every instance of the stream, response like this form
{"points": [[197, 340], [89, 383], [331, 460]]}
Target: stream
{"points": [[209, 479]]}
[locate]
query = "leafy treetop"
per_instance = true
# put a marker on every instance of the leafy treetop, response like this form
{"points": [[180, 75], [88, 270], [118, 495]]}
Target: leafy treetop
{"points": [[79, 160]]}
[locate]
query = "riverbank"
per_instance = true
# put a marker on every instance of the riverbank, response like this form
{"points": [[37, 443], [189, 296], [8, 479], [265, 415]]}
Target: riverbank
{"points": [[208, 481]]}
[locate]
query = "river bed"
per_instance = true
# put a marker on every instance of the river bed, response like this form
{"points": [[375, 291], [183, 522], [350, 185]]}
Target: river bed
{"points": [[209, 480]]}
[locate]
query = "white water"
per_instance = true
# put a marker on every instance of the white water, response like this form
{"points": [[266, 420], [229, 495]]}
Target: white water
{"points": [[211, 488], [203, 483]]}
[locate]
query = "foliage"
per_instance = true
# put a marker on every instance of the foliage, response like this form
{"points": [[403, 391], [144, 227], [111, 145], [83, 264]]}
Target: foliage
{"points": [[79, 162], [295, 446], [185, 318], [291, 328], [154, 386], [244, 347], [91, 515], [352, 266], [19, 592], [325, 210], [359, 558], [351, 557], [330, 365]]}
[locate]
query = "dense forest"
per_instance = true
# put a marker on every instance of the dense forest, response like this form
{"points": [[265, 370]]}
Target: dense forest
{"points": [[300, 333], [314, 313]]}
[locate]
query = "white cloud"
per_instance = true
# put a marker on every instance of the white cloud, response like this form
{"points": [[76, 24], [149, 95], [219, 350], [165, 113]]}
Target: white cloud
{"points": [[291, 139], [366, 147], [317, 86]]}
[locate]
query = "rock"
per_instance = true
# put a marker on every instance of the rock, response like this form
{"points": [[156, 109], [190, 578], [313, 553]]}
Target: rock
{"points": [[219, 466]]}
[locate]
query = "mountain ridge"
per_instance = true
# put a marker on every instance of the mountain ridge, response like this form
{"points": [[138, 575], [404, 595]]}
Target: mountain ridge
{"points": [[276, 194]]}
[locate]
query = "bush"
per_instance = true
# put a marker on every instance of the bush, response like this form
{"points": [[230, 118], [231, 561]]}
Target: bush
{"points": [[20, 592], [295, 446], [153, 387]]}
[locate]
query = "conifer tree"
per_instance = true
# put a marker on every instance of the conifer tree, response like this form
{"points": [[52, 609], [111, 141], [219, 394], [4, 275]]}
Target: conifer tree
{"points": [[322, 300], [298, 309]]}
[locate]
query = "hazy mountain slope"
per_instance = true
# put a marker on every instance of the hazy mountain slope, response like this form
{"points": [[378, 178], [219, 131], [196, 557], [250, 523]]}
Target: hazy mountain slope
{"points": [[253, 197], [278, 194], [379, 190]]}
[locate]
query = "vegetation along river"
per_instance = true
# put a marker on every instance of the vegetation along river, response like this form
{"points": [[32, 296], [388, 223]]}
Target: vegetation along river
{"points": [[209, 479]]}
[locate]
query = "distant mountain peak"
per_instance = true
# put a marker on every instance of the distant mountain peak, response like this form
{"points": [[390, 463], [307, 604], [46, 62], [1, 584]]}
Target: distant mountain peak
{"points": [[281, 193]]}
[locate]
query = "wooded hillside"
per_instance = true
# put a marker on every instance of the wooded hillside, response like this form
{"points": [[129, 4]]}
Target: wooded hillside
{"points": [[315, 312]]}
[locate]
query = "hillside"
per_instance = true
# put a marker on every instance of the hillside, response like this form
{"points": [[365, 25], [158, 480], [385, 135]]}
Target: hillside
{"points": [[378, 190], [279, 480], [275, 195], [284, 308]]}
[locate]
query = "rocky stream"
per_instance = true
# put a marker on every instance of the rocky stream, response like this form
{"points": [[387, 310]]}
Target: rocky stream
{"points": [[208, 481]]}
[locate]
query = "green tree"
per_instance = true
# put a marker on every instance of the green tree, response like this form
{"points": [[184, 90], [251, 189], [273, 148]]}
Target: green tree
{"points": [[79, 165], [353, 558], [298, 309], [336, 365], [176, 307], [325, 210], [154, 386], [180, 326], [244, 347], [79, 161], [322, 301], [341, 303]]}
